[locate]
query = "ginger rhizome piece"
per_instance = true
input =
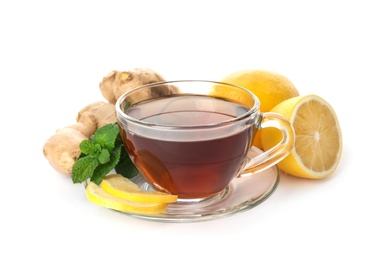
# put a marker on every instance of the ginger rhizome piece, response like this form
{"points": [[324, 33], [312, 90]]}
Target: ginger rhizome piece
{"points": [[62, 149], [117, 83]]}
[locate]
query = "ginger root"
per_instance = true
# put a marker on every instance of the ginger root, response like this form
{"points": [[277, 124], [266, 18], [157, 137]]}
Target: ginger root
{"points": [[62, 149], [117, 83]]}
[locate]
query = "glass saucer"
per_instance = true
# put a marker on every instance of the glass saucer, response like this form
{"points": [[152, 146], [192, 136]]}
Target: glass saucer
{"points": [[242, 194]]}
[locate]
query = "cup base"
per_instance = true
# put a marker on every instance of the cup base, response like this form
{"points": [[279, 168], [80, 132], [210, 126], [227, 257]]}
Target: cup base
{"points": [[212, 199], [241, 195], [218, 196]]}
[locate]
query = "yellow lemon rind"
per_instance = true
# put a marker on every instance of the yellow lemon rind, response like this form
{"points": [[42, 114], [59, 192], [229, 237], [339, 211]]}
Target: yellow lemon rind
{"points": [[100, 197], [270, 87], [293, 163], [121, 187]]}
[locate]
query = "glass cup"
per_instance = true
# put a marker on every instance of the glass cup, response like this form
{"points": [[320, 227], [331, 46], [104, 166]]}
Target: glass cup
{"points": [[191, 138]]}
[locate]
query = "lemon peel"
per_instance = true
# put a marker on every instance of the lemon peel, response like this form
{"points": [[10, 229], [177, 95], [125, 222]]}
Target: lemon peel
{"points": [[270, 87], [119, 186], [102, 198], [318, 137]]}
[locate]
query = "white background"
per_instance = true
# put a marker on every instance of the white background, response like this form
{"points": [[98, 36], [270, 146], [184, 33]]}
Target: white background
{"points": [[53, 55]]}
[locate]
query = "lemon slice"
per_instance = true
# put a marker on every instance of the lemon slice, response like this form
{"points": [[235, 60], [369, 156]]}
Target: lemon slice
{"points": [[122, 187], [318, 137], [100, 197]]}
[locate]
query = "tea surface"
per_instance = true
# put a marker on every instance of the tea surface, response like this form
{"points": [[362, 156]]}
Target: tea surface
{"points": [[186, 110]]}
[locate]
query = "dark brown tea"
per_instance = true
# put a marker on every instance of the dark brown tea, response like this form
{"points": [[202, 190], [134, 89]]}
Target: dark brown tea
{"points": [[191, 158]]}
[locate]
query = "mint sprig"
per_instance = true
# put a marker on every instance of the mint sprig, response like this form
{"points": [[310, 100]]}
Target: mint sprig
{"points": [[102, 153]]}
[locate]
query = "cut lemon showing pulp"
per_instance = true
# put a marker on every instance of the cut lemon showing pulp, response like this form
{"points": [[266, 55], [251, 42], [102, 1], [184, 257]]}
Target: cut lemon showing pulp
{"points": [[100, 197], [318, 137], [122, 187]]}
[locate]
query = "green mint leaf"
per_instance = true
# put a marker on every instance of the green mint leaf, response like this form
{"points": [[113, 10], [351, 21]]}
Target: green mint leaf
{"points": [[127, 105], [106, 136], [104, 156], [83, 169], [125, 166], [101, 154], [86, 147], [97, 150], [103, 169]]}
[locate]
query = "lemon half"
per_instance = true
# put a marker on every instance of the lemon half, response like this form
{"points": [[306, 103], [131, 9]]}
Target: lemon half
{"points": [[318, 137]]}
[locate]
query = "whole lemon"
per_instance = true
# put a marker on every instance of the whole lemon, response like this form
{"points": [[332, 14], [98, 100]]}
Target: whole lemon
{"points": [[270, 87]]}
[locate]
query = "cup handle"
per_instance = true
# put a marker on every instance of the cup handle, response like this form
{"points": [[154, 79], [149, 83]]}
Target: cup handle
{"points": [[257, 163]]}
